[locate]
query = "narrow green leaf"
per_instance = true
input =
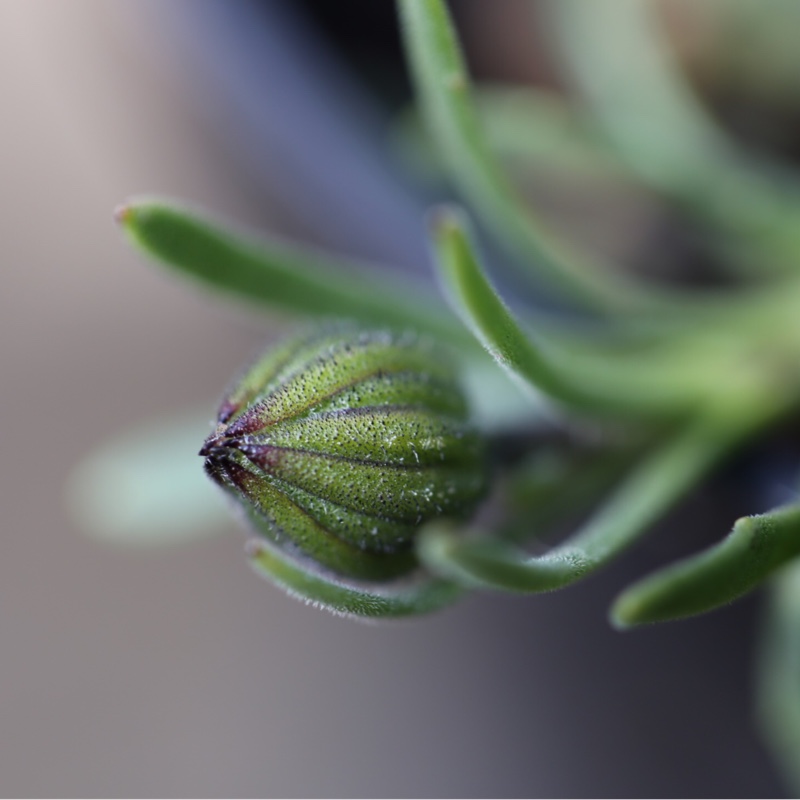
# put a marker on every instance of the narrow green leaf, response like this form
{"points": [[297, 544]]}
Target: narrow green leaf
{"points": [[420, 594], [755, 548], [778, 675], [282, 276], [624, 385], [442, 86], [652, 486]]}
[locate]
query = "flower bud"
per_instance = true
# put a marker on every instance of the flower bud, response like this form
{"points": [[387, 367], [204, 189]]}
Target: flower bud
{"points": [[340, 444]]}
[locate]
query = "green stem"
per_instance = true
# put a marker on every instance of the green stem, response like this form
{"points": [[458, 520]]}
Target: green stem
{"points": [[656, 484]]}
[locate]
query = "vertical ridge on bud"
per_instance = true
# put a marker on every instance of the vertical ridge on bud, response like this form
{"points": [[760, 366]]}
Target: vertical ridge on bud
{"points": [[339, 444]]}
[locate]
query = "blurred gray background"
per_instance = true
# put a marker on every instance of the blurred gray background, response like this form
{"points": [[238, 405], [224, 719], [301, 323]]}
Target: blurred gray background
{"points": [[179, 672]]}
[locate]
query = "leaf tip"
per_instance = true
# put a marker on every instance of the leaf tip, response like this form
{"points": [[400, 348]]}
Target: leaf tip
{"points": [[624, 614], [445, 219], [123, 213]]}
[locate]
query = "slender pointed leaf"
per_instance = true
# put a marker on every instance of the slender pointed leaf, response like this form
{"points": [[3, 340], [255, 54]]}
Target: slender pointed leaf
{"points": [[279, 275], [756, 547]]}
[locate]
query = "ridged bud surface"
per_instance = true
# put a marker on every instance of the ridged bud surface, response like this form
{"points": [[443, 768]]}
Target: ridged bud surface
{"points": [[340, 444]]}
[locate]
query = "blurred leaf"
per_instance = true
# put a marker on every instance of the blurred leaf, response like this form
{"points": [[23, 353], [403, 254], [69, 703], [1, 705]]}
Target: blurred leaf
{"points": [[283, 276], [443, 91], [619, 58], [146, 486], [540, 130], [752, 49], [778, 674], [755, 548]]}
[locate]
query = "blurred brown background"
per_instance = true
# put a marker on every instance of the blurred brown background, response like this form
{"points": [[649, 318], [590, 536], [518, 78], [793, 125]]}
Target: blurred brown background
{"points": [[179, 672]]}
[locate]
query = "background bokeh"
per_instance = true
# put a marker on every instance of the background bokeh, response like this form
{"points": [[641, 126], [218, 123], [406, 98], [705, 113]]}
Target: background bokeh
{"points": [[179, 672]]}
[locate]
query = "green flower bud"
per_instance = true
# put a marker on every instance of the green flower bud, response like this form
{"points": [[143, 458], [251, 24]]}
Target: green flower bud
{"points": [[341, 444]]}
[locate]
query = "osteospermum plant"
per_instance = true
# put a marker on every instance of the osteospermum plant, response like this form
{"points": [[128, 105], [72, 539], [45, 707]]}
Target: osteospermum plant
{"points": [[381, 459]]}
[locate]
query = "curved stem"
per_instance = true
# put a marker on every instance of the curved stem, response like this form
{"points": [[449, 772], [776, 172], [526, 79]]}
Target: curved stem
{"points": [[653, 486]]}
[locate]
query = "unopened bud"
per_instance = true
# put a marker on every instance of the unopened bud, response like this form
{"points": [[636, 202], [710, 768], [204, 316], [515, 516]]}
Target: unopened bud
{"points": [[341, 444]]}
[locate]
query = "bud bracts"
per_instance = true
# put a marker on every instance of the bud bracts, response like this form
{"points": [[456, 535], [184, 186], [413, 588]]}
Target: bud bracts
{"points": [[342, 443]]}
